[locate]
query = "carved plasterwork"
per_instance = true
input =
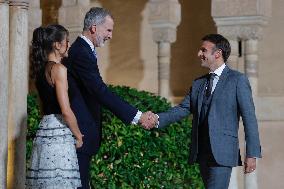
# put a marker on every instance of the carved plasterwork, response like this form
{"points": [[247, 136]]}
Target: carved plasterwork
{"points": [[3, 1], [164, 17], [24, 4], [244, 27], [165, 34]]}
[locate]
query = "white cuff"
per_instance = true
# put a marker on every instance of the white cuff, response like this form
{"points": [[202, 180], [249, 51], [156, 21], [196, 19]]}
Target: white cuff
{"points": [[158, 122], [136, 118]]}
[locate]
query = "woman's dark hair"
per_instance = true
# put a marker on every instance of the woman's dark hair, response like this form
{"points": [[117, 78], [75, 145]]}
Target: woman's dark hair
{"points": [[42, 45]]}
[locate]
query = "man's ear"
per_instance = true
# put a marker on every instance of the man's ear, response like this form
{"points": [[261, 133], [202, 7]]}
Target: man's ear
{"points": [[218, 54], [93, 29]]}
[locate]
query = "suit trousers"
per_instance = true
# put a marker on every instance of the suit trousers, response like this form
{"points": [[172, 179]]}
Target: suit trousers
{"points": [[215, 176], [84, 168]]}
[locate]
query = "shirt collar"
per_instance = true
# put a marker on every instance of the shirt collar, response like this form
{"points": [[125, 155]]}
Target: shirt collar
{"points": [[219, 70], [88, 41]]}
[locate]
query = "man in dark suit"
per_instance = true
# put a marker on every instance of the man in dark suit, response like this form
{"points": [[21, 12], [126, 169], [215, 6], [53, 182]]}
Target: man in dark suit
{"points": [[216, 101], [88, 91]]}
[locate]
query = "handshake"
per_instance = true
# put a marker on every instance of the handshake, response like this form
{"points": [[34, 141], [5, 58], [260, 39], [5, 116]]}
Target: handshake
{"points": [[148, 120]]}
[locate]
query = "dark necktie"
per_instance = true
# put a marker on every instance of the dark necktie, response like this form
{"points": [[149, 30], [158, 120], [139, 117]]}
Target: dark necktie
{"points": [[95, 53], [206, 100], [210, 84]]}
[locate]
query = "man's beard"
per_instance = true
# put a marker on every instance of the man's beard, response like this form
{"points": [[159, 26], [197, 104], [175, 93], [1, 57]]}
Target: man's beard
{"points": [[100, 41]]}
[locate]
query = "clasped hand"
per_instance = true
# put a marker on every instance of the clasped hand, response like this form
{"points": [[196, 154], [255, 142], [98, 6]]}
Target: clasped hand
{"points": [[148, 120]]}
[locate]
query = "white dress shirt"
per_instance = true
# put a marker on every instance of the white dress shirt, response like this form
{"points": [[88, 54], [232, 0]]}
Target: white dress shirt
{"points": [[218, 73]]}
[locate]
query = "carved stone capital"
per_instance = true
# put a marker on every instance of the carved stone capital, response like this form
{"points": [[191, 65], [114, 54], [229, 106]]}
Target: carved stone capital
{"points": [[164, 34], [243, 27], [23, 4], [164, 17], [3, 1]]}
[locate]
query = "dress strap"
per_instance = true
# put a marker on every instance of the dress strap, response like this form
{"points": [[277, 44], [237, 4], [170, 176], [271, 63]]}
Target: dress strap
{"points": [[49, 71]]}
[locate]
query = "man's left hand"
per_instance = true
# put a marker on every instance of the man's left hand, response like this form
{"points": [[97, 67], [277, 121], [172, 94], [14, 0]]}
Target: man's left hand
{"points": [[250, 165]]}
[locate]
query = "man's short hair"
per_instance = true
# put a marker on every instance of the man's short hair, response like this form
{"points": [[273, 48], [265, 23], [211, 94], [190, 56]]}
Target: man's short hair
{"points": [[95, 16], [221, 43]]}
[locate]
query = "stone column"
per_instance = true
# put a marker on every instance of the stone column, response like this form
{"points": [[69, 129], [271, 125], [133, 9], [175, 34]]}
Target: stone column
{"points": [[4, 67], [251, 59], [17, 112], [71, 15], [233, 59], [165, 16], [251, 71], [164, 54]]}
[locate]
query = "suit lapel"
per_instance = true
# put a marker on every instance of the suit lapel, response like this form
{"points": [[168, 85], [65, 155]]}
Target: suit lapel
{"points": [[86, 45]]}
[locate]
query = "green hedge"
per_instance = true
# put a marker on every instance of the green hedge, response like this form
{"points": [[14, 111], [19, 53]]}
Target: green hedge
{"points": [[131, 157], [33, 121]]}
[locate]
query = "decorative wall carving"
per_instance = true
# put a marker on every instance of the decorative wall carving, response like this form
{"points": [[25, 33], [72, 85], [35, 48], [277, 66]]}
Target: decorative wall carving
{"points": [[164, 17], [244, 27]]}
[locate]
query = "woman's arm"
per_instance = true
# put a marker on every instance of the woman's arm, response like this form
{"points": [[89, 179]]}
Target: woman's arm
{"points": [[59, 77]]}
